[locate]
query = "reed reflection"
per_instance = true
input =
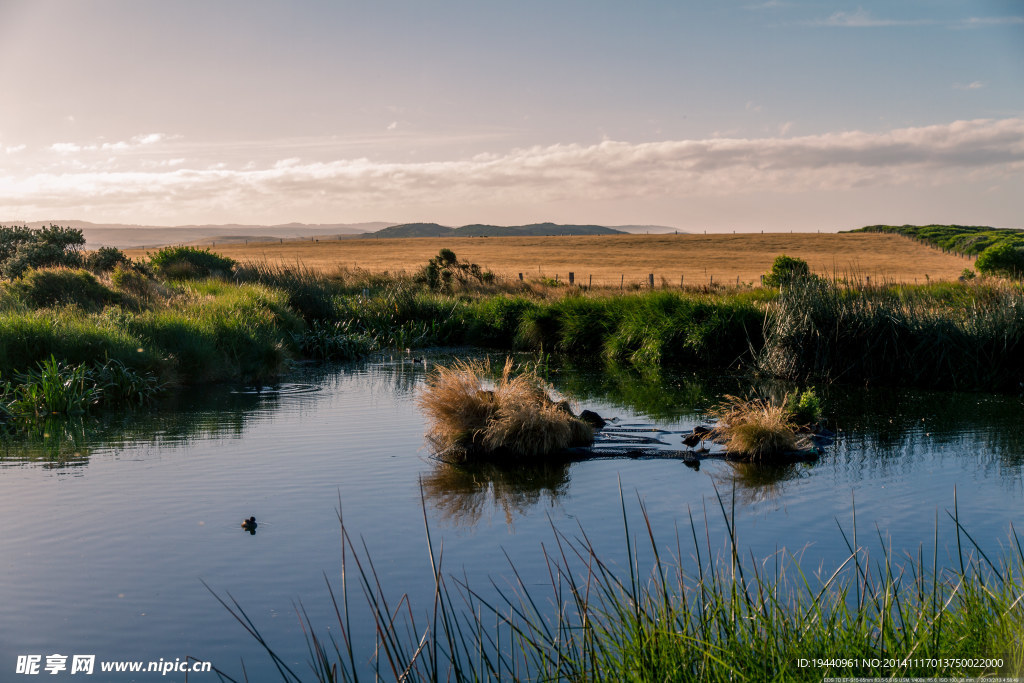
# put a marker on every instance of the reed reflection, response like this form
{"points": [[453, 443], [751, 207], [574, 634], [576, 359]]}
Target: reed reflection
{"points": [[465, 494]]}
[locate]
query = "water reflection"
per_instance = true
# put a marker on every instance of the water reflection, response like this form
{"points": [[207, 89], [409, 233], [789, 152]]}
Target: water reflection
{"points": [[463, 495], [661, 396], [180, 417], [756, 483]]}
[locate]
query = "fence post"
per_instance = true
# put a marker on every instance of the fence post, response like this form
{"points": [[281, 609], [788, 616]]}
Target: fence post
{"points": [[622, 280], [520, 277], [591, 284], [572, 277], [650, 280]]}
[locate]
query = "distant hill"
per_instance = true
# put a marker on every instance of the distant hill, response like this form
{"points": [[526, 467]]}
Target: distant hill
{"points": [[479, 230], [413, 230], [645, 229], [128, 236]]}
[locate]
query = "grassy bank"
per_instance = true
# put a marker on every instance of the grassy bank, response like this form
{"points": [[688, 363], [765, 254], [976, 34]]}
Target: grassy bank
{"points": [[188, 316], [661, 616], [247, 328]]}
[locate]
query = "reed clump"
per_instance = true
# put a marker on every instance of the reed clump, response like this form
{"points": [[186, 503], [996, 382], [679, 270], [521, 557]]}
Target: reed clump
{"points": [[756, 428], [515, 417], [660, 617], [966, 336]]}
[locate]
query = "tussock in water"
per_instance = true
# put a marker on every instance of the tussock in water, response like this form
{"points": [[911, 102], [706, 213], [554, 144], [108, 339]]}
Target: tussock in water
{"points": [[756, 428], [516, 418]]}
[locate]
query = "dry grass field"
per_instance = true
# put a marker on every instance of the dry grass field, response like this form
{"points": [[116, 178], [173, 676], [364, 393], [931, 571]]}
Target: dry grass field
{"points": [[610, 260]]}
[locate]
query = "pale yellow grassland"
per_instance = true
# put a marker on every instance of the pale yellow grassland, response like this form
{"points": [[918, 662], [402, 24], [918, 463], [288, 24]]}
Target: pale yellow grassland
{"points": [[612, 258]]}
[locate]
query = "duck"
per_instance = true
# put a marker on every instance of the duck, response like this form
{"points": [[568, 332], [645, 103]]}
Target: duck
{"points": [[249, 524]]}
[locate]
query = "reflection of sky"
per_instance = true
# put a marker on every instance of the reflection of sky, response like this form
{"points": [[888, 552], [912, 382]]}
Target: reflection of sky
{"points": [[109, 559]]}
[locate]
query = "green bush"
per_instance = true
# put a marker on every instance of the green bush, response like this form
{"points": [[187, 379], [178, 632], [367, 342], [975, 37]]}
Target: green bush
{"points": [[24, 248], [61, 286], [105, 259], [1001, 259], [804, 407], [786, 269], [187, 263], [444, 271], [129, 280]]}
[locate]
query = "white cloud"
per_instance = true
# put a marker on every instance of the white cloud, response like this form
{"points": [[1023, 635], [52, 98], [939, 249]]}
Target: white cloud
{"points": [[13, 149], [393, 125], [120, 146], [863, 19], [979, 22], [149, 139], [920, 157], [974, 85]]}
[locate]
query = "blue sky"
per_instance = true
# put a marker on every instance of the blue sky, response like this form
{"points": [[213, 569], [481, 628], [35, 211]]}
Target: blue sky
{"points": [[721, 116]]}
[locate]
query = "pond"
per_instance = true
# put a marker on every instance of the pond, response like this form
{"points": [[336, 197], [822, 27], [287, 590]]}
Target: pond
{"points": [[110, 527]]}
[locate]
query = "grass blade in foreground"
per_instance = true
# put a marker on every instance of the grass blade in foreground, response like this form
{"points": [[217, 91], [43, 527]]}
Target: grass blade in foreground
{"points": [[720, 619]]}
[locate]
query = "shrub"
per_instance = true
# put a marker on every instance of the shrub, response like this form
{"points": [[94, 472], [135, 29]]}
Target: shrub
{"points": [[105, 259], [1001, 259], [444, 271], [24, 248], [129, 280], [966, 275], [804, 407], [786, 269], [60, 286], [186, 263]]}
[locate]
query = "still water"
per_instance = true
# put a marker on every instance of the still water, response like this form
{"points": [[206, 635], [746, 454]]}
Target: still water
{"points": [[109, 528]]}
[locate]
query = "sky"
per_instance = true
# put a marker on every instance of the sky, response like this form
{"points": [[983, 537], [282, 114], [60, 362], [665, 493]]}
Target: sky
{"points": [[718, 116]]}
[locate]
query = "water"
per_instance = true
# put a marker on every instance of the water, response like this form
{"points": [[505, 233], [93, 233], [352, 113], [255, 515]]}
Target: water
{"points": [[109, 528]]}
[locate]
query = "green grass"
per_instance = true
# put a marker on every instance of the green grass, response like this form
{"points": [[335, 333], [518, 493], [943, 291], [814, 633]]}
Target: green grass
{"points": [[711, 617], [964, 239], [946, 335], [966, 336], [56, 388]]}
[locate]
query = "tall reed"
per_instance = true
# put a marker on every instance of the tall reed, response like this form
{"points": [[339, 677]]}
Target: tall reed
{"points": [[715, 617], [970, 337]]}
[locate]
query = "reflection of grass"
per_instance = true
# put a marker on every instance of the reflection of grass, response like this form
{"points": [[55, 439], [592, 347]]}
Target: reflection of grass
{"points": [[181, 417], [464, 493], [723, 619], [59, 440], [661, 395], [756, 481]]}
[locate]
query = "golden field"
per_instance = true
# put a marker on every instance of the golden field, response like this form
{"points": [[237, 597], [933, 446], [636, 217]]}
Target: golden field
{"points": [[612, 259]]}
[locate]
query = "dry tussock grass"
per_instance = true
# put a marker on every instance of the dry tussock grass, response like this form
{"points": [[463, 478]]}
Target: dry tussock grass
{"points": [[516, 417], [756, 428]]}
